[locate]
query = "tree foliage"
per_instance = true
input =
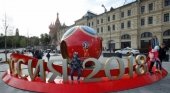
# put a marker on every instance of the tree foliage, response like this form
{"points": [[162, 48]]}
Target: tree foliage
{"points": [[20, 41], [34, 41], [45, 39], [23, 42], [17, 41]]}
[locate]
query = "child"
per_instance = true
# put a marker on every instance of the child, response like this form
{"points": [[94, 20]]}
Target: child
{"points": [[76, 65], [153, 55]]}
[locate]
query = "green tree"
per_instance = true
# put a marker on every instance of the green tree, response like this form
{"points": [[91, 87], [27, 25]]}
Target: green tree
{"points": [[45, 39], [34, 41], [2, 41], [9, 41], [23, 42], [42, 39]]}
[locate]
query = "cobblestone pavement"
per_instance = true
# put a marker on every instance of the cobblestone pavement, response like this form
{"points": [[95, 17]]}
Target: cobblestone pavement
{"points": [[162, 86]]}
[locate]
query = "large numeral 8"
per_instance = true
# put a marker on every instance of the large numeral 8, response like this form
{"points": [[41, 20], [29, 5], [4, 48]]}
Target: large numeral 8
{"points": [[141, 67]]}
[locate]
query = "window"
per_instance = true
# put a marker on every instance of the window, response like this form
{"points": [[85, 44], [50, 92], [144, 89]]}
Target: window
{"points": [[126, 36], [97, 21], [167, 2], [129, 13], [108, 28], [122, 25], [142, 9], [122, 14], [89, 24], [113, 27], [113, 17], [101, 29], [150, 20], [151, 7], [166, 33], [142, 21], [97, 30], [129, 24], [102, 20], [108, 18], [166, 17], [146, 35]]}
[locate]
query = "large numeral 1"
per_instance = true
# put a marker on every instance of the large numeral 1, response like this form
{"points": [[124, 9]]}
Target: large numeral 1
{"points": [[64, 69], [130, 65]]}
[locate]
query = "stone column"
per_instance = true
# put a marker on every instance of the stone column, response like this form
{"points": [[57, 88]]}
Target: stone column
{"points": [[104, 44], [134, 41], [159, 36], [117, 43]]}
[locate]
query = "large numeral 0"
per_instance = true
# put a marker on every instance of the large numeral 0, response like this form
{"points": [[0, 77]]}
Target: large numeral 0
{"points": [[96, 69], [108, 67], [141, 67]]}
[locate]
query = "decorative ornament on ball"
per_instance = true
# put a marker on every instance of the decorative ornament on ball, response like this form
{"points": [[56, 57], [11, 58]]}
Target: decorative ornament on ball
{"points": [[81, 39]]}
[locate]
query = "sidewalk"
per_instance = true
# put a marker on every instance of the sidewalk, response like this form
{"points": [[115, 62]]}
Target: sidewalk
{"points": [[162, 86]]}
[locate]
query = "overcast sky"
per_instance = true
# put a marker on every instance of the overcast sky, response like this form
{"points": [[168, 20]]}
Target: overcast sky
{"points": [[33, 17]]}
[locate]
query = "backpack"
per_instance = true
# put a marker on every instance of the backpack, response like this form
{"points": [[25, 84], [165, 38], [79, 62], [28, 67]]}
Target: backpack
{"points": [[153, 56]]}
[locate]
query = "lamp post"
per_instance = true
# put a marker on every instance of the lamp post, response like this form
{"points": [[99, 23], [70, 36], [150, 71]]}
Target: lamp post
{"points": [[105, 10], [6, 27]]}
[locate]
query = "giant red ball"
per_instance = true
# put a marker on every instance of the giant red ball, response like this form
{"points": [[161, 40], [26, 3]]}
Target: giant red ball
{"points": [[81, 39]]}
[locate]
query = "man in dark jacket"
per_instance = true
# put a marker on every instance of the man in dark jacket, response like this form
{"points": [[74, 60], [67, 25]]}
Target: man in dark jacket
{"points": [[162, 53]]}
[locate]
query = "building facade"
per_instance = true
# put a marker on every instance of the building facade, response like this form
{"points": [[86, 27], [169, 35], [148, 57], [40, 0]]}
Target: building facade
{"points": [[131, 25]]}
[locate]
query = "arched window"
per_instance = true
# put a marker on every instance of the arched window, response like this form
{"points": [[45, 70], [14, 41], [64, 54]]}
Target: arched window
{"points": [[166, 33], [126, 36], [146, 35]]}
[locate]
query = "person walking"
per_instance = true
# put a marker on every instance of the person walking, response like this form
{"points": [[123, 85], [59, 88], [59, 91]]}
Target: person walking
{"points": [[48, 56]]}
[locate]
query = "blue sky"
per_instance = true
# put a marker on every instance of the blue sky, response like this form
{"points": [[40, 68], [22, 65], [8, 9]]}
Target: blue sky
{"points": [[33, 17]]}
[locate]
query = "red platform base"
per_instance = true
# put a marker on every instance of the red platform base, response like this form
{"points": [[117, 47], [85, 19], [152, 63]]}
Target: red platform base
{"points": [[105, 85]]}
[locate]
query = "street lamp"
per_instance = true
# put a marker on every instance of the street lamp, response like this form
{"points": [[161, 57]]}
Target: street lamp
{"points": [[6, 43], [105, 10], [6, 27]]}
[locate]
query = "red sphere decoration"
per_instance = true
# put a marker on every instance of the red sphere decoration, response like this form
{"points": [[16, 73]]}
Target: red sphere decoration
{"points": [[81, 39]]}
